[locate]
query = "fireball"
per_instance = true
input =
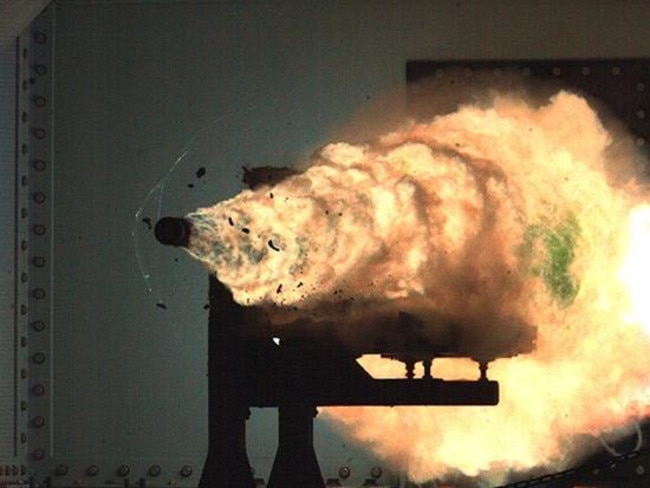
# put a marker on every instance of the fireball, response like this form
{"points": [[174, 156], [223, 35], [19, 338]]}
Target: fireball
{"points": [[497, 213]]}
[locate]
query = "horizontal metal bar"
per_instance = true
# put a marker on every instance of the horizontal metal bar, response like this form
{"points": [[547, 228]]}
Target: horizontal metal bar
{"points": [[383, 392]]}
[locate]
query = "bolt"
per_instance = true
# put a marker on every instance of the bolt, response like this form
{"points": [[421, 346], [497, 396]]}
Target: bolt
{"points": [[38, 390], [38, 293], [640, 470], [344, 472], [40, 37], [38, 326], [376, 472], [40, 69], [186, 471], [39, 133], [39, 165], [39, 229], [38, 358], [92, 470], [123, 470], [61, 470], [155, 470], [38, 422], [39, 197], [38, 454]]}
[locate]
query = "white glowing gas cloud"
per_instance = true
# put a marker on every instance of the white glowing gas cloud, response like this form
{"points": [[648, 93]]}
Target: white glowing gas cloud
{"points": [[484, 215]]}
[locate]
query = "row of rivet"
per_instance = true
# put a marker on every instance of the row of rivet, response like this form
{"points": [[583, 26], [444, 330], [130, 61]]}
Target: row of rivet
{"points": [[22, 296], [39, 119], [122, 471], [555, 71]]}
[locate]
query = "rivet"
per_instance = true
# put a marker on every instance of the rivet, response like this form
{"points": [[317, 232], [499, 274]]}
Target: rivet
{"points": [[38, 325], [38, 390], [39, 165], [186, 471], [92, 470], [376, 472], [40, 37], [24, 181], [61, 470], [38, 358], [154, 470], [39, 197], [40, 101], [39, 229], [38, 261], [23, 406], [23, 373], [38, 422], [344, 472], [38, 454], [640, 470], [23, 438], [23, 245], [39, 133], [25, 53], [23, 213], [23, 341], [38, 294], [24, 117], [24, 149], [40, 69], [23, 309], [123, 470], [25, 85], [23, 277]]}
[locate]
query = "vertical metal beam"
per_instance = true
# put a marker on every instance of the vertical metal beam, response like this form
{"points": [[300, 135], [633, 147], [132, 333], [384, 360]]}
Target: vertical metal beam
{"points": [[295, 462], [227, 462]]}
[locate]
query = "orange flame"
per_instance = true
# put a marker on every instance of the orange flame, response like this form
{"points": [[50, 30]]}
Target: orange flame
{"points": [[485, 214]]}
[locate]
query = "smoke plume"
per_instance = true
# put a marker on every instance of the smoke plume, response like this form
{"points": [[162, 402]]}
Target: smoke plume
{"points": [[496, 217]]}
